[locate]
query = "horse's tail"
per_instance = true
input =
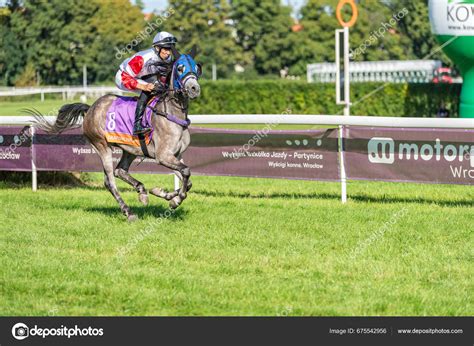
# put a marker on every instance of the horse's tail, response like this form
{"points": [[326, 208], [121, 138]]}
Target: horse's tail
{"points": [[68, 118]]}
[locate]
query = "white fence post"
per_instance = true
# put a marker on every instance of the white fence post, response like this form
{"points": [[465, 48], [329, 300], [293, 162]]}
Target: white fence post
{"points": [[176, 182], [342, 165], [34, 173], [342, 98], [347, 108]]}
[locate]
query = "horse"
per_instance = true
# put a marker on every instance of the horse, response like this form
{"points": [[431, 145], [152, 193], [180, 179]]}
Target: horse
{"points": [[169, 140]]}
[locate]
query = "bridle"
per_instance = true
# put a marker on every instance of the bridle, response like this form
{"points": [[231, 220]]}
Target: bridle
{"points": [[177, 98]]}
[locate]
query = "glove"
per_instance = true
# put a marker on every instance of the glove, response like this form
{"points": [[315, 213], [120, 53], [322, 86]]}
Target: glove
{"points": [[160, 87]]}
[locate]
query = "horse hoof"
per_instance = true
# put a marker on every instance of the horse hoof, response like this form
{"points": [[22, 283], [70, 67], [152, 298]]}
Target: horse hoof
{"points": [[132, 218], [143, 198], [161, 193], [156, 191], [175, 202]]}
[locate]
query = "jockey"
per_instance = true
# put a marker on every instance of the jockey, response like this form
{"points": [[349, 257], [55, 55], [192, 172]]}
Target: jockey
{"points": [[146, 73]]}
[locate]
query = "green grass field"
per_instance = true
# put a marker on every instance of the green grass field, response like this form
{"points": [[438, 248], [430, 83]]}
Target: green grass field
{"points": [[48, 107], [238, 246]]}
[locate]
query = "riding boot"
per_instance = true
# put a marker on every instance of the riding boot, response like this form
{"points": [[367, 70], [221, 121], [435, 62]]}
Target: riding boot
{"points": [[142, 101]]}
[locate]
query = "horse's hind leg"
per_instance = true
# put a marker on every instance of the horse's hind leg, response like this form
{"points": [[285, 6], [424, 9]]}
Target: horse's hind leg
{"points": [[109, 181], [121, 172]]}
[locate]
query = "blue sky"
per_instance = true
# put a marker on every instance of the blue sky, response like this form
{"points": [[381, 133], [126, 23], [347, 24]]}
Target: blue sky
{"points": [[151, 5]]}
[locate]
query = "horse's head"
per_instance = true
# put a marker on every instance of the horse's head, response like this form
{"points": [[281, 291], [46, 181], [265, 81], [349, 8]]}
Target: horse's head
{"points": [[186, 73]]}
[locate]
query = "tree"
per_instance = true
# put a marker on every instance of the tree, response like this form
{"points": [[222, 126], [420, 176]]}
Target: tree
{"points": [[140, 4], [51, 35], [416, 27], [316, 39], [58, 37], [377, 35], [263, 29], [206, 24], [119, 30], [11, 62]]}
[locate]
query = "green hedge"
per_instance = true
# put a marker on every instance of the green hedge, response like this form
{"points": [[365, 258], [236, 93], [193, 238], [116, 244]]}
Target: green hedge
{"points": [[274, 97]]}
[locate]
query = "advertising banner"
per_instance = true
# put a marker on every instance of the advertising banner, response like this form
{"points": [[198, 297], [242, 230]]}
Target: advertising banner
{"points": [[306, 154], [412, 155], [15, 148]]}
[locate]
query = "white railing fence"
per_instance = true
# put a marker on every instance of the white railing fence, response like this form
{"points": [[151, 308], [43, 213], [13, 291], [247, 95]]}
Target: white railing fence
{"points": [[68, 92], [302, 119]]}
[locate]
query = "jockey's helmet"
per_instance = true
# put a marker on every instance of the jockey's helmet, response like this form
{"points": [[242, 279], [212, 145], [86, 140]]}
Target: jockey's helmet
{"points": [[164, 39]]}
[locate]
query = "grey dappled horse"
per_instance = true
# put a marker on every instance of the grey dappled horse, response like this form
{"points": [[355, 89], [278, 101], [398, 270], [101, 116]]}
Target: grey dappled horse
{"points": [[170, 136]]}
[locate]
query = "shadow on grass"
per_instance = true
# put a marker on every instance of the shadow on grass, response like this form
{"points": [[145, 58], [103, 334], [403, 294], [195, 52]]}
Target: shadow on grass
{"points": [[385, 199], [418, 200], [156, 211], [66, 180], [45, 179], [265, 194]]}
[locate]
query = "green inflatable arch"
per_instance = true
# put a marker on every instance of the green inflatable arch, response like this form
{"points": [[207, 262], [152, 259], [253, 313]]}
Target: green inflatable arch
{"points": [[452, 22]]}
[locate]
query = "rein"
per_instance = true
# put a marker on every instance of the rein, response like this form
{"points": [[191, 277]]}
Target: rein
{"points": [[182, 104], [180, 101], [173, 118]]}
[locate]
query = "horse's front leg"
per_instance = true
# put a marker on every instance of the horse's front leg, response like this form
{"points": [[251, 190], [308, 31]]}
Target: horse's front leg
{"points": [[170, 161], [165, 194], [185, 142], [180, 177], [162, 193]]}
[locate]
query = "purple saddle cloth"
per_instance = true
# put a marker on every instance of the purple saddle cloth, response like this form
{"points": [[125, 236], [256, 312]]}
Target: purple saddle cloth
{"points": [[120, 118]]}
